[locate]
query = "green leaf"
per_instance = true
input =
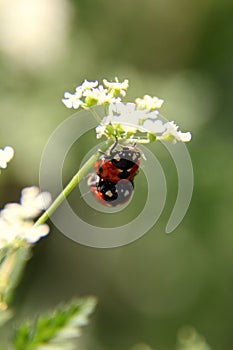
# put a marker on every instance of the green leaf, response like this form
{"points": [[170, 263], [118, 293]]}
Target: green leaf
{"points": [[57, 330]]}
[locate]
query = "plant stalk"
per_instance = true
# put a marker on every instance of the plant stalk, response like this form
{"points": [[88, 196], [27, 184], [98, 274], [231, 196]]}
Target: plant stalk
{"points": [[71, 185]]}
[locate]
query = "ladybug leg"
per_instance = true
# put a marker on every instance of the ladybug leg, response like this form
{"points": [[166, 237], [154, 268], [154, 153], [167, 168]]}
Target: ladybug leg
{"points": [[110, 150], [113, 147], [101, 152], [109, 153]]}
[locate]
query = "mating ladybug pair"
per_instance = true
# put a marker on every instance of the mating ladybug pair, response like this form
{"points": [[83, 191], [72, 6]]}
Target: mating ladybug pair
{"points": [[113, 182]]}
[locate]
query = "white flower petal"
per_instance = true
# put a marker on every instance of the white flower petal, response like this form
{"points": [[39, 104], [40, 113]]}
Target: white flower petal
{"points": [[156, 127], [72, 100], [68, 95], [16, 219], [68, 103], [3, 163], [77, 103], [43, 200], [184, 136], [86, 85], [29, 192], [79, 91], [172, 132], [100, 131], [33, 234], [117, 86], [12, 212], [9, 153], [6, 155], [33, 202]]}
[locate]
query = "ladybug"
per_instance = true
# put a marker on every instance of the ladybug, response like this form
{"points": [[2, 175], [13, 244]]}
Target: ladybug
{"points": [[115, 164], [110, 193], [112, 184]]}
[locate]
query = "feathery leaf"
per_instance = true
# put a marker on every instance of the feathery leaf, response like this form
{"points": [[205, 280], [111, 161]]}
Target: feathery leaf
{"points": [[57, 330]]}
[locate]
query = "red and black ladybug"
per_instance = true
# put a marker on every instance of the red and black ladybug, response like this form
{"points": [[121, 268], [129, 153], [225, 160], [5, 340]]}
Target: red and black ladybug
{"points": [[112, 184]]}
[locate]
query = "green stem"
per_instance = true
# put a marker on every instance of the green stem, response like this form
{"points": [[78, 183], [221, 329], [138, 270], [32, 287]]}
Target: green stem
{"points": [[137, 141], [71, 185]]}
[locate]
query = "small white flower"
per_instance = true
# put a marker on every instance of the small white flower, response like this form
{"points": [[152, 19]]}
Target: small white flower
{"points": [[23, 230], [6, 154], [173, 133], [100, 131], [100, 95], [185, 136], [72, 100], [33, 202], [87, 85], [16, 220], [117, 86], [148, 102], [13, 212]]}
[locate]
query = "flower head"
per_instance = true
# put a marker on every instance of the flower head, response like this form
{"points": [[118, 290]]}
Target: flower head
{"points": [[6, 154], [16, 220], [139, 121]]}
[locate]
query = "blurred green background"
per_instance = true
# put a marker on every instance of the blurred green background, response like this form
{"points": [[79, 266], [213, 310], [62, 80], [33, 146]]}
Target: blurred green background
{"points": [[182, 52]]}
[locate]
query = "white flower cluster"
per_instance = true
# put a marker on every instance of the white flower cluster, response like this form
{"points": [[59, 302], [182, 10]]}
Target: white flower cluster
{"points": [[125, 120], [6, 154], [131, 119], [16, 220], [91, 93]]}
